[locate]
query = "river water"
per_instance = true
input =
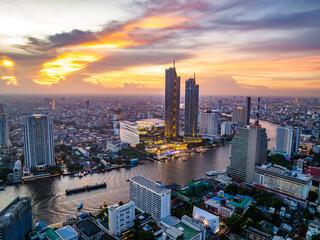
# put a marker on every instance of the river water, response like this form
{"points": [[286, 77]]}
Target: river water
{"points": [[50, 203]]}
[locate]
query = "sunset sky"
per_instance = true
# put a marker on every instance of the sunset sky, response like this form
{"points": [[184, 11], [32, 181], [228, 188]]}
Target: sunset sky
{"points": [[235, 47]]}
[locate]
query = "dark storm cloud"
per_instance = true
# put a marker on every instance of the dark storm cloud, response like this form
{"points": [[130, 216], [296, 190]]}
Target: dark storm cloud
{"points": [[63, 39]]}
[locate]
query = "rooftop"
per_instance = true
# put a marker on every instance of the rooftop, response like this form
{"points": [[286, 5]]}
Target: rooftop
{"points": [[147, 183], [51, 234], [88, 227], [188, 232], [243, 203], [66, 232]]}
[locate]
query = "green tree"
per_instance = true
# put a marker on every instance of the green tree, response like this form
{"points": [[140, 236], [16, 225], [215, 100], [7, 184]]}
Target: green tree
{"points": [[276, 203], [140, 147], [231, 189], [312, 196], [235, 222], [120, 203], [144, 235], [315, 237]]}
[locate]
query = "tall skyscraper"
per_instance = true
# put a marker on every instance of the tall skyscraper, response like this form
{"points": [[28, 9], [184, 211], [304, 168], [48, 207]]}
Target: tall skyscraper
{"points": [[247, 109], [4, 130], [150, 197], [16, 219], [239, 115], [172, 103], [249, 147], [38, 142], [209, 122], [191, 108], [284, 140], [87, 105], [220, 105]]}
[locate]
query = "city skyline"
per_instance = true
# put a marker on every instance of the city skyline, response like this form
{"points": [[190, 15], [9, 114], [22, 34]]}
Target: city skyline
{"points": [[238, 47]]}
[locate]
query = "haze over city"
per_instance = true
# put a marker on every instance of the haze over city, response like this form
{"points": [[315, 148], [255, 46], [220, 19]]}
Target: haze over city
{"points": [[122, 47]]}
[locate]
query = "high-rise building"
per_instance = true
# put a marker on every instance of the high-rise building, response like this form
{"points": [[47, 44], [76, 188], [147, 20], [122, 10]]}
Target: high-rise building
{"points": [[285, 140], [117, 117], [191, 108], [87, 105], [172, 103], [38, 142], [150, 197], [121, 218], [16, 219], [249, 148], [248, 108], [220, 105], [4, 130], [225, 129], [209, 122], [239, 115]]}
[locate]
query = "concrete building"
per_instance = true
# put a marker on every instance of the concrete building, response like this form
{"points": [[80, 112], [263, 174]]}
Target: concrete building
{"points": [[88, 230], [16, 171], [209, 122], [187, 229], [150, 197], [283, 182], [172, 103], [4, 130], [285, 140], [116, 118], [239, 115], [249, 148], [38, 142], [121, 218], [191, 108], [225, 129], [16, 219]]}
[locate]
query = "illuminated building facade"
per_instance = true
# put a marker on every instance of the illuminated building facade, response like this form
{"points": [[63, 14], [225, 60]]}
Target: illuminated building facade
{"points": [[172, 103], [191, 108], [147, 131], [38, 142], [150, 197]]}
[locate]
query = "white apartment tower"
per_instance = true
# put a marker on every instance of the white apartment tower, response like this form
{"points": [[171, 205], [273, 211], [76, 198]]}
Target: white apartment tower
{"points": [[150, 197], [285, 140], [38, 142], [121, 218], [209, 122], [225, 129]]}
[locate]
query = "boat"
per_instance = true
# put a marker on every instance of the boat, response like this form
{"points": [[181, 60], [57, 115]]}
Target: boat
{"points": [[80, 206], [85, 188], [212, 173]]}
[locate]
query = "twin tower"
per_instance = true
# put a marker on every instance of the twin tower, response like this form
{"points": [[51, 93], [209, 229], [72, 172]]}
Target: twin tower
{"points": [[172, 105]]}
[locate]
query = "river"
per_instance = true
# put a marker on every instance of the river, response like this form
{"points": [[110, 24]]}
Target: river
{"points": [[50, 203]]}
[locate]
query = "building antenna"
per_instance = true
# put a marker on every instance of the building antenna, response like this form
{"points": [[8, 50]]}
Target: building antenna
{"points": [[174, 63], [258, 112]]}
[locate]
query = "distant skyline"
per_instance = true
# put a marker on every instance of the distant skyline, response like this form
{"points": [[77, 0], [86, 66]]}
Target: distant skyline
{"points": [[235, 47]]}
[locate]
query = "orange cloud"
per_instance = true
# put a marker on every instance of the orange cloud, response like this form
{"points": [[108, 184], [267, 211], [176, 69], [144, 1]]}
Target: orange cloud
{"points": [[10, 80], [57, 70]]}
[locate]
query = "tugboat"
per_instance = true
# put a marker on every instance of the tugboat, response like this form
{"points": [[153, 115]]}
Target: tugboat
{"points": [[80, 206]]}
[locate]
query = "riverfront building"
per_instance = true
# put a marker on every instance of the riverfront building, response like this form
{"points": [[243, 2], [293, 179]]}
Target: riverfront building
{"points": [[150, 197], [121, 218], [38, 142], [249, 148], [148, 131], [172, 103], [209, 122], [283, 182], [16, 219], [4, 130], [225, 129], [191, 108], [287, 141]]}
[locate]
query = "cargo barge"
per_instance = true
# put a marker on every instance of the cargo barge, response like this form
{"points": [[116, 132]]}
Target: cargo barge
{"points": [[86, 188]]}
